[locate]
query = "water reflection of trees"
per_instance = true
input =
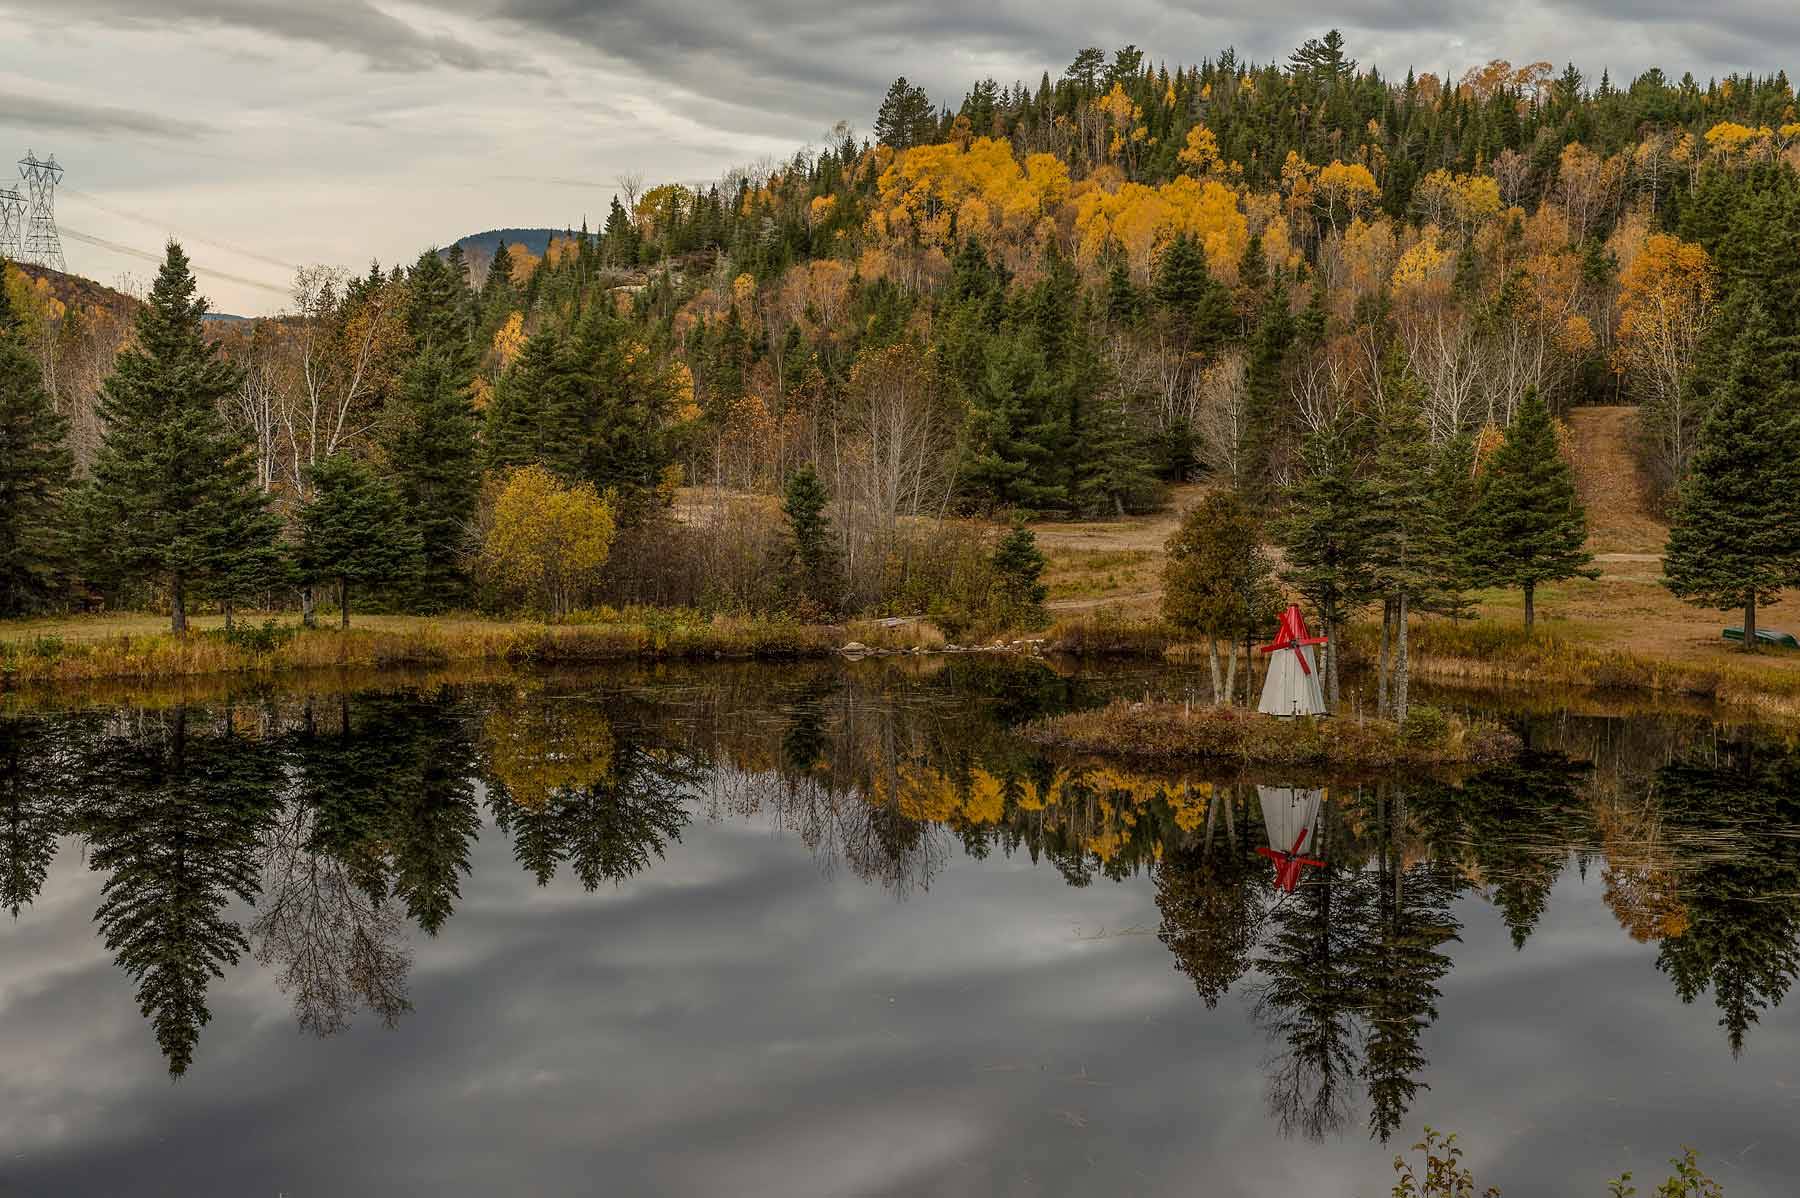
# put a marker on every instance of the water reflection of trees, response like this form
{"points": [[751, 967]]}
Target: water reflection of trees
{"points": [[340, 821]]}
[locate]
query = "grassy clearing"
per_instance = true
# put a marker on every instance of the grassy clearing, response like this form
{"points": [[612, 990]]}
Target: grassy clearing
{"points": [[1488, 652], [1072, 573], [1178, 732], [139, 647]]}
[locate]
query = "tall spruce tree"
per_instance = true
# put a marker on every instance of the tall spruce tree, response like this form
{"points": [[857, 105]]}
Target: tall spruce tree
{"points": [[355, 530], [34, 474], [1528, 526], [1327, 532], [536, 411], [173, 499], [810, 569], [433, 451], [1735, 541], [1414, 559]]}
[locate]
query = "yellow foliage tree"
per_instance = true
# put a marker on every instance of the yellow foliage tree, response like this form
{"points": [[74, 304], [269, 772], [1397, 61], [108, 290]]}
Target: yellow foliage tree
{"points": [[547, 540], [1348, 187]]}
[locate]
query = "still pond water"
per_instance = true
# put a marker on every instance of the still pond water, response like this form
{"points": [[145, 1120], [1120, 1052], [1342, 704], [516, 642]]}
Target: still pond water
{"points": [[829, 929]]}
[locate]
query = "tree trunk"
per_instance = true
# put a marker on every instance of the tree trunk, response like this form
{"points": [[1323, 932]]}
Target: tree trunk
{"points": [[1750, 625], [343, 602], [1400, 665], [178, 608], [229, 623], [1219, 694], [1381, 667], [1231, 677], [1331, 658], [1530, 605], [309, 617]]}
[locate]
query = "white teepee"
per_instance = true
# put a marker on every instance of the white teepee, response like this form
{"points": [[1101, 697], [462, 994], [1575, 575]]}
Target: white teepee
{"points": [[1292, 687]]}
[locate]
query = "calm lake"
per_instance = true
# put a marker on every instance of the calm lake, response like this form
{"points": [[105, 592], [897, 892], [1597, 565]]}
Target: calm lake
{"points": [[829, 929]]}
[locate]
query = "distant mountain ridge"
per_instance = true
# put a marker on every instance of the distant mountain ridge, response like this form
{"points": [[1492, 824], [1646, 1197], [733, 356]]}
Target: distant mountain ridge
{"points": [[535, 240]]}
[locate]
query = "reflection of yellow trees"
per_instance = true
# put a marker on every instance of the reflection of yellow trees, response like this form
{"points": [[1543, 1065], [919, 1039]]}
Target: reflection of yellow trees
{"points": [[1641, 875], [544, 745]]}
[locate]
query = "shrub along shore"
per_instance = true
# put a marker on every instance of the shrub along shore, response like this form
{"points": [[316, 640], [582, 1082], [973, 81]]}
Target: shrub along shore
{"points": [[1168, 731]]}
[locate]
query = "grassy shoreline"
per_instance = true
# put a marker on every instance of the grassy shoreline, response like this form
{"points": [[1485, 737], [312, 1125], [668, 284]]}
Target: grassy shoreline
{"points": [[1495, 653], [66, 651], [1480, 653], [1168, 731]]}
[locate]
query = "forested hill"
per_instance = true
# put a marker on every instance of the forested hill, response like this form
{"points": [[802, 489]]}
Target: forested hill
{"points": [[1055, 297]]}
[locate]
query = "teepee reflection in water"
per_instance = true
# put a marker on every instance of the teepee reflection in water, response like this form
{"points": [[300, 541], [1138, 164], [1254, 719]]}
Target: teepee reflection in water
{"points": [[1291, 818]]}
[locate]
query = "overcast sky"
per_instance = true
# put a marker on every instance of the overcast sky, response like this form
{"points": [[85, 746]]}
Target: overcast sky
{"points": [[265, 133]]}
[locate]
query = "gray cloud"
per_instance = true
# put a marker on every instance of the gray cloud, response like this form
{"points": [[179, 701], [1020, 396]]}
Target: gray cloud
{"points": [[21, 110], [351, 26]]}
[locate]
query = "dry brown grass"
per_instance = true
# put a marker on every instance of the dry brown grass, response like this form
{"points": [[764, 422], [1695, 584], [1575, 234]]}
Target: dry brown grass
{"points": [[86, 649], [1181, 732]]}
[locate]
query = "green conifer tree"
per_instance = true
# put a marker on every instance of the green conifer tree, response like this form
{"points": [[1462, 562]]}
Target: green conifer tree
{"points": [[1327, 532], [1413, 556], [1735, 541], [433, 451], [1019, 591], [355, 530], [810, 569], [173, 498], [1528, 526], [536, 413], [34, 474]]}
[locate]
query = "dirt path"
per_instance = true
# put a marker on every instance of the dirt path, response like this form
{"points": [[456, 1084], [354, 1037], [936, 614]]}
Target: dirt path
{"points": [[1611, 485]]}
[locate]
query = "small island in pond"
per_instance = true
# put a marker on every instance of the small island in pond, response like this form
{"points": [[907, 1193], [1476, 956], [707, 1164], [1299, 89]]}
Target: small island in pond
{"points": [[1171, 731]]}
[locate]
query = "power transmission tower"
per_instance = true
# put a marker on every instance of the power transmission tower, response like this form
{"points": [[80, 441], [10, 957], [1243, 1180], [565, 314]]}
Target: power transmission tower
{"points": [[12, 223], [42, 244]]}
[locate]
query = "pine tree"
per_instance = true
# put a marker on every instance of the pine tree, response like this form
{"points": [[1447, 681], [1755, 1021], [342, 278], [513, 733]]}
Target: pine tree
{"points": [[1528, 526], [905, 118], [810, 568], [1412, 554], [173, 498], [1019, 592], [1327, 532], [1197, 306], [536, 414], [1016, 429], [433, 451], [438, 315], [34, 474], [355, 530], [1265, 371], [1735, 540]]}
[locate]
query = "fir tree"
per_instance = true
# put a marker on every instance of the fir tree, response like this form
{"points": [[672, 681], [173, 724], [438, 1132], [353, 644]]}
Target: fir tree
{"points": [[34, 473], [1265, 371], [1019, 592], [1015, 429], [1528, 526], [1123, 303], [355, 530], [905, 118], [173, 498], [536, 413], [1327, 533], [433, 451], [1414, 560], [810, 568], [1735, 541]]}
